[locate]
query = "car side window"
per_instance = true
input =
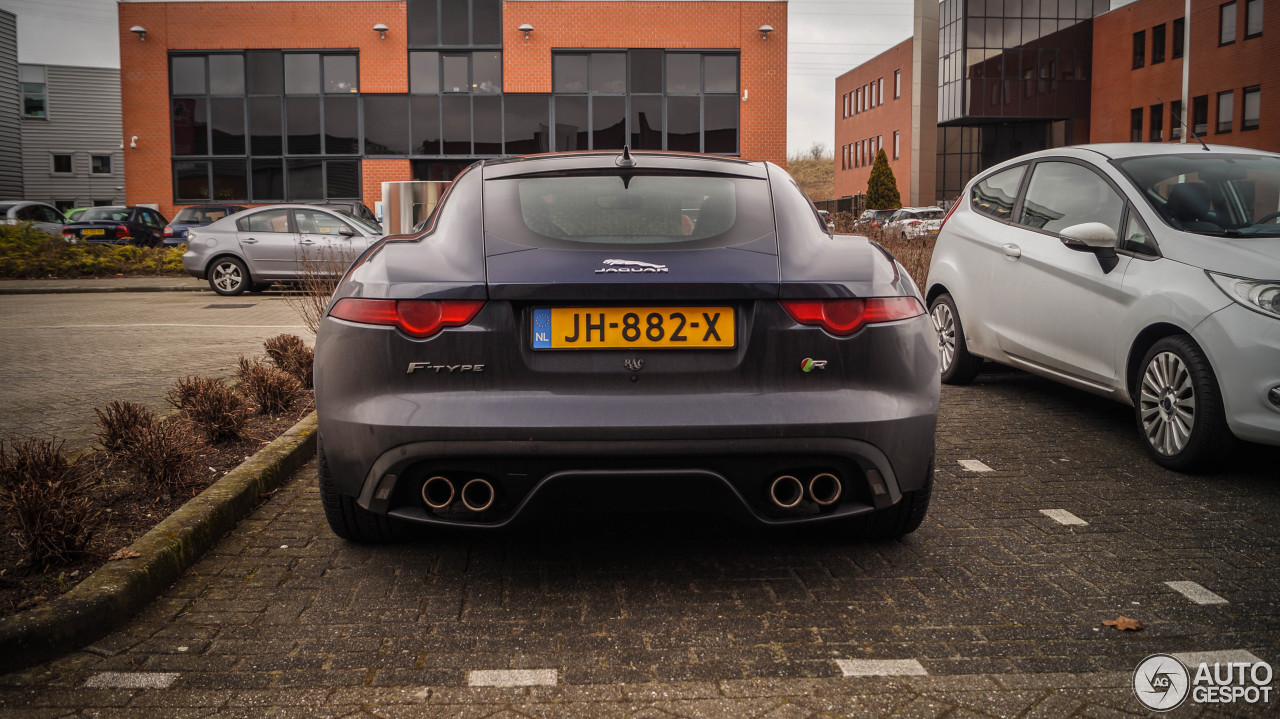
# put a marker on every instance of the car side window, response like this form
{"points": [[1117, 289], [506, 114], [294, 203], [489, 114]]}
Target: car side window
{"points": [[995, 195], [149, 219], [315, 222], [1062, 194], [27, 214], [265, 221], [1137, 238]]}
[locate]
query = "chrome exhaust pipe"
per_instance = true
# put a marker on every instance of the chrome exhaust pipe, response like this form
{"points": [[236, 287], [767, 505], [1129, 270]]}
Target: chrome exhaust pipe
{"points": [[437, 492], [478, 495], [786, 491], [825, 489]]}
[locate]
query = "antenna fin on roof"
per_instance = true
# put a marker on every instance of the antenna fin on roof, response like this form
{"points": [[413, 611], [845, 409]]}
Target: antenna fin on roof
{"points": [[625, 159]]}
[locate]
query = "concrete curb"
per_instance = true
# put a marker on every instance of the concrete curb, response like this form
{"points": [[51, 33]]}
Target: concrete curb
{"points": [[119, 589]]}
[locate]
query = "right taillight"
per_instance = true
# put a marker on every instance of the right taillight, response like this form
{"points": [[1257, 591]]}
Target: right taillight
{"points": [[168, 230], [846, 316], [947, 216], [416, 318]]}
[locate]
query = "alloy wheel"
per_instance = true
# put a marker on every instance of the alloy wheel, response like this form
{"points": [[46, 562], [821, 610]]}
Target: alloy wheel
{"points": [[944, 323], [227, 277], [1167, 404]]}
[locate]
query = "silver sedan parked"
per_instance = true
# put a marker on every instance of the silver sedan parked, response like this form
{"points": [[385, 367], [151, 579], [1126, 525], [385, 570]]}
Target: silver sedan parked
{"points": [[1142, 272], [252, 249]]}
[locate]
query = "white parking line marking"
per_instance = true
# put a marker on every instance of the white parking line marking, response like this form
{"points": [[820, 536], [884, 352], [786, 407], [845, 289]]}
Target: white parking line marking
{"points": [[131, 680], [1196, 593], [974, 465], [1062, 516], [881, 667], [512, 678], [1224, 656]]}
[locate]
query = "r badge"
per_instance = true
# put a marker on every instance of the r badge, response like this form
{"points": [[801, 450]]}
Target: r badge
{"points": [[809, 365]]}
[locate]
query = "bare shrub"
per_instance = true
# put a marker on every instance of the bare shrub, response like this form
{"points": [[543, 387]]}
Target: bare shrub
{"points": [[47, 496], [318, 276], [292, 355], [118, 422], [913, 253], [272, 389], [160, 453], [218, 412]]}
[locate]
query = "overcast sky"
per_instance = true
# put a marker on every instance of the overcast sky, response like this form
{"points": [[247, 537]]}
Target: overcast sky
{"points": [[828, 38]]}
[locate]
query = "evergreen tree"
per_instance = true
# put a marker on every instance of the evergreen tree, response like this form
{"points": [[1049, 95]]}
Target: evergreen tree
{"points": [[882, 187]]}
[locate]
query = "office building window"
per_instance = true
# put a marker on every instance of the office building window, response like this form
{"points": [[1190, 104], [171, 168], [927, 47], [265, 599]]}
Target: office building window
{"points": [[35, 100], [1139, 48], [1157, 44], [101, 164], [62, 164], [1157, 123], [1175, 120], [897, 84], [1226, 103], [896, 145], [880, 90], [454, 22], [1227, 24], [1253, 18], [1179, 36], [1135, 125], [1252, 108], [1200, 115]]}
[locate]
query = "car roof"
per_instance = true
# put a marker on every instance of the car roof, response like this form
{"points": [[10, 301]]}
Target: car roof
{"points": [[607, 160]]}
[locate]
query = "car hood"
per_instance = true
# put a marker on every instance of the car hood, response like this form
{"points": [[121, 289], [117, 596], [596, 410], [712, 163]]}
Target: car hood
{"points": [[1252, 257]]}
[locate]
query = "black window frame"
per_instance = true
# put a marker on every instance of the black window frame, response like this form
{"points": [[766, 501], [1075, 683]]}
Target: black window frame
{"points": [[1135, 125], [1200, 115], [1224, 128], [1225, 10], [1249, 5], [28, 91], [97, 161], [1155, 131], [1139, 49], [1179, 37], [1158, 42], [53, 163], [1244, 104]]}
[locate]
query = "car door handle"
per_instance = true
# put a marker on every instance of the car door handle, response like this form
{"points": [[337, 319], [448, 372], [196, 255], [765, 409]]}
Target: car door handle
{"points": [[249, 241], [307, 242], [1012, 251]]}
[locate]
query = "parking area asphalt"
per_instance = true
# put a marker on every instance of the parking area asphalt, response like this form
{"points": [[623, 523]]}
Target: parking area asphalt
{"points": [[1047, 520], [64, 354]]}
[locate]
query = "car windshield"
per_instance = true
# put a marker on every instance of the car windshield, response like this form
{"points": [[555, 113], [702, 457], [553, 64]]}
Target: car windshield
{"points": [[105, 214], [200, 215], [573, 211], [1222, 195], [360, 222]]}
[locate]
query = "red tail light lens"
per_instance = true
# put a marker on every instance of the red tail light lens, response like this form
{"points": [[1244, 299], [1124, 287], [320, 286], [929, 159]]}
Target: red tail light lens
{"points": [[416, 318], [168, 230], [947, 216], [122, 230], [844, 317]]}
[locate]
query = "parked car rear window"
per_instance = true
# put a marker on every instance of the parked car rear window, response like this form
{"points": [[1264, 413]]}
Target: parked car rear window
{"points": [[1211, 193], [994, 196], [652, 209], [104, 214]]}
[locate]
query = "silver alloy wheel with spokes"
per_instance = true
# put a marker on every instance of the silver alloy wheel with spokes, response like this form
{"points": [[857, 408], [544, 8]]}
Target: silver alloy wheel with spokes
{"points": [[1167, 404], [944, 323], [227, 276]]}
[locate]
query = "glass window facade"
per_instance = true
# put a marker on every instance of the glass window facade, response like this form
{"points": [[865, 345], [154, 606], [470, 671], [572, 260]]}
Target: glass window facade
{"points": [[35, 102], [1013, 77]]}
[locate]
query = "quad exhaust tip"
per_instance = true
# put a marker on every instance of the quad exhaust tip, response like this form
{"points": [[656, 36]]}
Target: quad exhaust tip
{"points": [[786, 491], [437, 492], [478, 495], [825, 488]]}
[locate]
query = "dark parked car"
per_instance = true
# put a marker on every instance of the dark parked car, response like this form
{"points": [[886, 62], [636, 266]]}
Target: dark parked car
{"points": [[175, 233], [564, 324], [43, 217], [873, 218], [141, 226]]}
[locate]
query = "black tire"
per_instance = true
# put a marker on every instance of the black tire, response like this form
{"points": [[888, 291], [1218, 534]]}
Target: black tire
{"points": [[897, 521], [348, 519], [959, 367], [229, 277], [1178, 406]]}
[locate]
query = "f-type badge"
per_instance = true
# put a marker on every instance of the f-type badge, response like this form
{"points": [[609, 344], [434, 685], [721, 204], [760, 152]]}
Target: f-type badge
{"points": [[630, 266], [448, 368]]}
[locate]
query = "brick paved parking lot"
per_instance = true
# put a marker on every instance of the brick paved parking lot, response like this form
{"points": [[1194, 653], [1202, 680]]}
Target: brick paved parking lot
{"points": [[993, 608]]}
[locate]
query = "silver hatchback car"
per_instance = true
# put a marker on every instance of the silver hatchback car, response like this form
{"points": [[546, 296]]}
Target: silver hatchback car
{"points": [[253, 248], [1146, 273]]}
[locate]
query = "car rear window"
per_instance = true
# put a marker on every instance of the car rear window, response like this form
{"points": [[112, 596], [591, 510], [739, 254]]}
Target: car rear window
{"points": [[105, 214], [616, 209], [200, 214]]}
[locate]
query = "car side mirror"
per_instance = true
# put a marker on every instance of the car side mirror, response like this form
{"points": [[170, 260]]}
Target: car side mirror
{"points": [[346, 231], [1093, 237]]}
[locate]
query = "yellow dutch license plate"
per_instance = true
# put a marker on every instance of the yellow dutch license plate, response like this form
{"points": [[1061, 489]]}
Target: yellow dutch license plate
{"points": [[581, 328], [86, 233]]}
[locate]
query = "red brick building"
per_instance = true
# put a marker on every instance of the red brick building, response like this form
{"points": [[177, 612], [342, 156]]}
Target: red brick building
{"points": [[873, 111], [276, 100], [1233, 65]]}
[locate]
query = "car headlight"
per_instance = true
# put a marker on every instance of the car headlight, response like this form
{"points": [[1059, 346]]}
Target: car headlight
{"points": [[1258, 295]]}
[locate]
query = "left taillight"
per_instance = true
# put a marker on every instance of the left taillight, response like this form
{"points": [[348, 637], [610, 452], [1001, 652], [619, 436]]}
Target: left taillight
{"points": [[416, 318], [846, 316], [168, 230], [122, 230]]}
